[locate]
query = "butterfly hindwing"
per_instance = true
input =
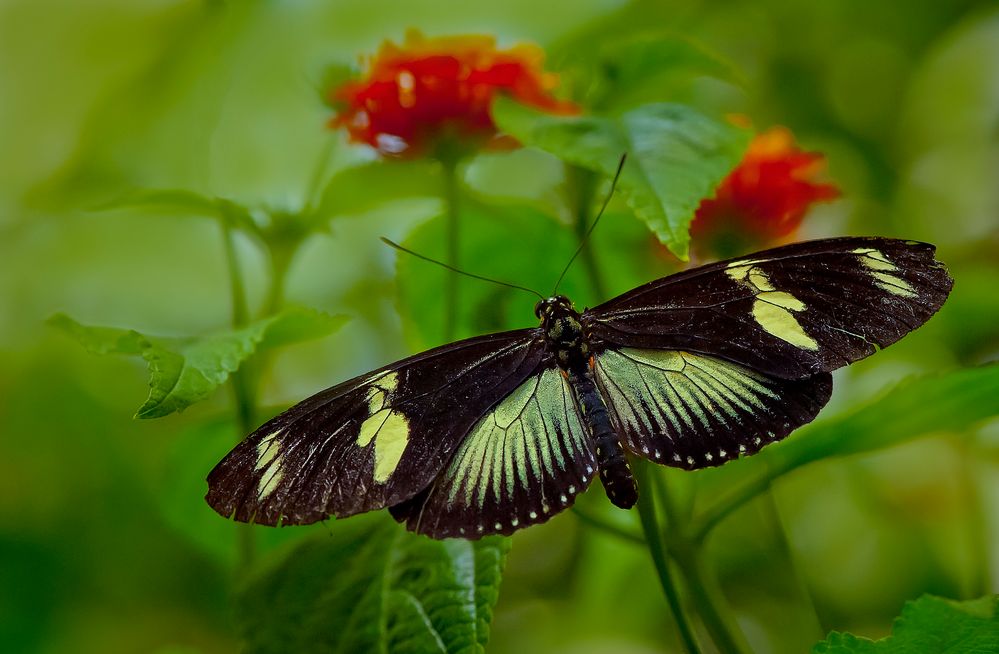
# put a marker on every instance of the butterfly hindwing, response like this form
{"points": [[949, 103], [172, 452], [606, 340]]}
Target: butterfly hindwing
{"points": [[790, 312], [373, 441], [522, 462], [692, 411]]}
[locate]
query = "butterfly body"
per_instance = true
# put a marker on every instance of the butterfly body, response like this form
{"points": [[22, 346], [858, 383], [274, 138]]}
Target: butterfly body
{"points": [[495, 433], [565, 336]]}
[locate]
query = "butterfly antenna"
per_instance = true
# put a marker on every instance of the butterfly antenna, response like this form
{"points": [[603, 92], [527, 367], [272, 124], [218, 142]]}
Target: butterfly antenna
{"points": [[586, 237], [460, 272]]}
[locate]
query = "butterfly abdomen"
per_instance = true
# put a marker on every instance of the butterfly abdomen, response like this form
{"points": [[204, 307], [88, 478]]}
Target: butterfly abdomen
{"points": [[612, 462]]}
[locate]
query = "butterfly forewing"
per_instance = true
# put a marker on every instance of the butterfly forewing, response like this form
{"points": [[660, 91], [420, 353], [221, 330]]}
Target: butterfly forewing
{"points": [[691, 411], [791, 312], [374, 441], [522, 462]]}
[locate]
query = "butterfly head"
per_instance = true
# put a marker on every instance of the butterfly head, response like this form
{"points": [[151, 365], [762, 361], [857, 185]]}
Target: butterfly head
{"points": [[553, 307]]}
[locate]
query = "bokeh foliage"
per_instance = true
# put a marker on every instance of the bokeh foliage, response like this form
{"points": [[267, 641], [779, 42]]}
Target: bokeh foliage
{"points": [[106, 544]]}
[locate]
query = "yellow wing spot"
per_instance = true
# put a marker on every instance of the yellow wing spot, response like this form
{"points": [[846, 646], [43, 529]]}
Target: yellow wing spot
{"points": [[874, 259], [738, 270], [267, 450], [777, 320], [387, 427], [885, 273], [781, 299], [772, 308], [390, 444]]}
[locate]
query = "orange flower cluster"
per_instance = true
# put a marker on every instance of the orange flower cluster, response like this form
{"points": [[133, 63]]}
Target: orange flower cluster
{"points": [[766, 197], [435, 93]]}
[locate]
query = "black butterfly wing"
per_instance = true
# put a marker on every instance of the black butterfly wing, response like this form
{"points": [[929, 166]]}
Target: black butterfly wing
{"points": [[693, 411], [524, 461], [702, 366], [374, 441], [789, 312]]}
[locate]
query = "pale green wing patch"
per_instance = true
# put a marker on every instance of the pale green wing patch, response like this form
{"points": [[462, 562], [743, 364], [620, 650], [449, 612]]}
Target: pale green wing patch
{"points": [[689, 410], [522, 462]]}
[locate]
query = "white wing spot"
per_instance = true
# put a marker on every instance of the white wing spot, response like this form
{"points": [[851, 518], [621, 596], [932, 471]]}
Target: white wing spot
{"points": [[514, 522], [742, 448], [572, 490], [708, 456], [563, 498], [499, 526], [533, 514], [722, 453], [658, 454], [676, 457], [690, 460], [757, 440]]}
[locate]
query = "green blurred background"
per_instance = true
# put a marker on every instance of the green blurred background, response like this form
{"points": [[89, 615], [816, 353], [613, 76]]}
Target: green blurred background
{"points": [[105, 542]]}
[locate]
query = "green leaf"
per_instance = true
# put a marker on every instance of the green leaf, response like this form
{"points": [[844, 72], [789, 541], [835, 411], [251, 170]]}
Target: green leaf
{"points": [[637, 60], [676, 156], [947, 402], [186, 203], [929, 625], [371, 586], [183, 371], [648, 67], [362, 188], [495, 241]]}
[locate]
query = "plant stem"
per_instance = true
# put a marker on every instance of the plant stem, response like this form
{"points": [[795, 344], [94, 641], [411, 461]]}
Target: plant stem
{"points": [[452, 247], [583, 186], [241, 382], [657, 549], [707, 598], [588, 518], [713, 515]]}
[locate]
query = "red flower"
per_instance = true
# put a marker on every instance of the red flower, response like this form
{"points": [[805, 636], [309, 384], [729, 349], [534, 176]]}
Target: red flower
{"points": [[764, 199], [434, 94]]}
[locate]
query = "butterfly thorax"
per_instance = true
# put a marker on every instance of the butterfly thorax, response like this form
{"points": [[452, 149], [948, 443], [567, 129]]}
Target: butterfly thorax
{"points": [[563, 332], [565, 336]]}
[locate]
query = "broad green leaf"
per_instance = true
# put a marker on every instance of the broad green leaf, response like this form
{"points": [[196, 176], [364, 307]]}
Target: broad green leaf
{"points": [[367, 186], [929, 625], [183, 371], [949, 402], [186, 203], [371, 586], [676, 156], [496, 241]]}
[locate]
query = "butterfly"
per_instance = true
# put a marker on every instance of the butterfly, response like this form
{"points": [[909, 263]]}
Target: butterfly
{"points": [[495, 433]]}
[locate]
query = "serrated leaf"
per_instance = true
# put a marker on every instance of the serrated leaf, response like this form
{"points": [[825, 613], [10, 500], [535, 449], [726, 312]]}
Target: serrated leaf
{"points": [[183, 371], [371, 586], [929, 625], [676, 156]]}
